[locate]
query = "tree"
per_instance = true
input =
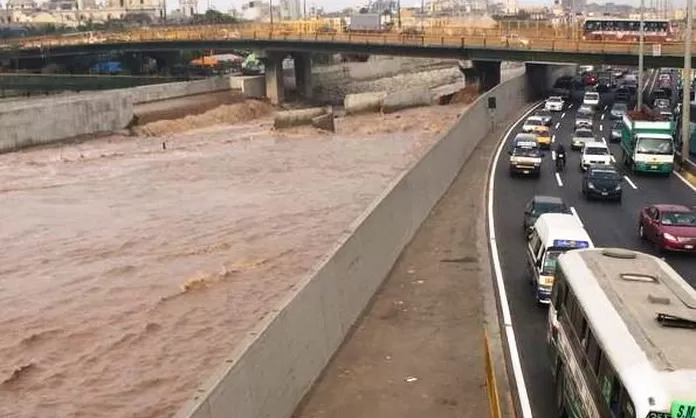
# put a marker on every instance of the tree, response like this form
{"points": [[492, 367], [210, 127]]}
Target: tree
{"points": [[214, 17]]}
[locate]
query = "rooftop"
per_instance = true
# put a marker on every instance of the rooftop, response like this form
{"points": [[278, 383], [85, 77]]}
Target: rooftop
{"points": [[640, 288]]}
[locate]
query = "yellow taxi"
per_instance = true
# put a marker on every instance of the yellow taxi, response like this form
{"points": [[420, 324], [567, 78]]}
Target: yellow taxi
{"points": [[543, 136]]}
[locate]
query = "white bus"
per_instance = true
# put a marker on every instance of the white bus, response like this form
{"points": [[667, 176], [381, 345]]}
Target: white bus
{"points": [[622, 337]]}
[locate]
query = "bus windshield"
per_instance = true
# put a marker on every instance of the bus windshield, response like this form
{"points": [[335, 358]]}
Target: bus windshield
{"points": [[655, 146], [550, 260]]}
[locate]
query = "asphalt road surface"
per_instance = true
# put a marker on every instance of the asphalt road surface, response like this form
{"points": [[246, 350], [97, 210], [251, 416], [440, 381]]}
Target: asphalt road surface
{"points": [[609, 224]]}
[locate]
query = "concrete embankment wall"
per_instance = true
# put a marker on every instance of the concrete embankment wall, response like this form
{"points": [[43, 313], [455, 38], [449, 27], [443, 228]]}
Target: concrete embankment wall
{"points": [[43, 121], [269, 373]]}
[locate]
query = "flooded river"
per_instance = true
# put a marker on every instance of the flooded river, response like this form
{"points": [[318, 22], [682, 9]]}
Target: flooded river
{"points": [[130, 268]]}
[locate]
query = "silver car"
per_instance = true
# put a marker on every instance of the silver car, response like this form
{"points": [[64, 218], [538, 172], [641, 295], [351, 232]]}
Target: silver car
{"points": [[581, 137], [545, 115], [583, 121]]}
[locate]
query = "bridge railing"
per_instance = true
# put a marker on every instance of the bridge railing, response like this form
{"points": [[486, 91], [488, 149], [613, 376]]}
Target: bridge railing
{"points": [[433, 38]]}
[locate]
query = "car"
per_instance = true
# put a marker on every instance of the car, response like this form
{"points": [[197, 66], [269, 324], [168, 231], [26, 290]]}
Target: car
{"points": [[543, 137], [604, 84], [581, 137], [585, 122], [622, 95], [538, 206], [554, 104], [618, 110], [591, 98], [586, 110], [668, 227], [589, 79], [603, 182], [526, 159], [545, 115], [665, 77], [661, 104], [514, 39], [616, 129], [532, 123], [595, 153]]}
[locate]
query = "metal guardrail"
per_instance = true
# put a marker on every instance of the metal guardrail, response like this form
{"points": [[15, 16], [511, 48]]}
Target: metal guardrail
{"points": [[433, 38], [491, 384]]}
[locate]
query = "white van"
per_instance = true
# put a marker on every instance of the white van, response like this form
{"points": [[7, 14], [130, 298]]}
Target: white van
{"points": [[552, 235]]}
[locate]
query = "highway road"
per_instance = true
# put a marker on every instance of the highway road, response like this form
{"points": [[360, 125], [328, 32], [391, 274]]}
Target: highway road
{"points": [[609, 224]]}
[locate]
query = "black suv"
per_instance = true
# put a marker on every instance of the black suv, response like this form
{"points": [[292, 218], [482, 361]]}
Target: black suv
{"points": [[540, 205], [602, 182]]}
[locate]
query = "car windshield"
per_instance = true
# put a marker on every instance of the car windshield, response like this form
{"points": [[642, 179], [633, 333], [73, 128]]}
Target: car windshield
{"points": [[620, 107], [604, 174], [585, 109], [655, 146], [596, 151], [617, 126], [550, 260], [525, 138], [526, 152], [540, 208], [679, 218], [583, 134], [662, 103], [555, 100], [543, 113], [533, 122], [591, 96]]}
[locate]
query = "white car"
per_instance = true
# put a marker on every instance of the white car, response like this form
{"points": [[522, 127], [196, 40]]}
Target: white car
{"points": [[581, 137], [532, 124], [554, 104], [591, 99], [595, 153]]}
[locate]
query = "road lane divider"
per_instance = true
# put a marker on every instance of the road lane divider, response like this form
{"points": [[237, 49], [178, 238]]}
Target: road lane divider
{"points": [[559, 181], [601, 127], [575, 214], [563, 115], [557, 125], [513, 351], [688, 179], [630, 182], [603, 115], [553, 139]]}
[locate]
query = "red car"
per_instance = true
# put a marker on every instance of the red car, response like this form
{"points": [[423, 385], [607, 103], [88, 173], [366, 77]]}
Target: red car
{"points": [[669, 227]]}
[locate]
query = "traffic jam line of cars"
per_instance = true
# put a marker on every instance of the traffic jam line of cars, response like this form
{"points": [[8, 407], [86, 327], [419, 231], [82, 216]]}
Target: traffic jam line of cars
{"points": [[551, 224]]}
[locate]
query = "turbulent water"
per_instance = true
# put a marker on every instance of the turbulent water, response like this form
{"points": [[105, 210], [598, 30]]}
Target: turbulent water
{"points": [[129, 271]]}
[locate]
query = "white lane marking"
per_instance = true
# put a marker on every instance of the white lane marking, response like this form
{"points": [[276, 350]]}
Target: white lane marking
{"points": [[562, 115], [601, 127], [522, 393], [557, 125], [553, 155], [605, 108], [553, 138], [630, 182], [603, 115], [558, 180], [613, 160], [570, 106], [575, 213], [685, 181]]}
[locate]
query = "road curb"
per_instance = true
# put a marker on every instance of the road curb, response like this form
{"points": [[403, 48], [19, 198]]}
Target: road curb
{"points": [[493, 328]]}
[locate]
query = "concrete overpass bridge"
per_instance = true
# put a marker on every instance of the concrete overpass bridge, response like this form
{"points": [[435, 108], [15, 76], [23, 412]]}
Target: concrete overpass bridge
{"points": [[486, 50]]}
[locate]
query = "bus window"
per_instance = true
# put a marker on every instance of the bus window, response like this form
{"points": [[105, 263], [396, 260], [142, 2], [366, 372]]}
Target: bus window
{"points": [[594, 354], [627, 410], [559, 292], [614, 404]]}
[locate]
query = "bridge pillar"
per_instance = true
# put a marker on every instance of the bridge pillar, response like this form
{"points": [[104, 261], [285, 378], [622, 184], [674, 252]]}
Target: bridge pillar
{"points": [[303, 74], [488, 74], [275, 90]]}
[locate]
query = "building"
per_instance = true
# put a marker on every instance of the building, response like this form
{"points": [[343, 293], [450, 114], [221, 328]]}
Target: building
{"points": [[291, 9], [21, 5], [189, 8]]}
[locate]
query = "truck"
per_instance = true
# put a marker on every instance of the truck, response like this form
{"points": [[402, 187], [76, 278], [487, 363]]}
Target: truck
{"points": [[647, 145], [369, 23]]}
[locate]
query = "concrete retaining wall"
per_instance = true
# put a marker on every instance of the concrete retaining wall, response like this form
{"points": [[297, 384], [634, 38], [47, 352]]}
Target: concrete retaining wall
{"points": [[62, 118], [269, 374]]}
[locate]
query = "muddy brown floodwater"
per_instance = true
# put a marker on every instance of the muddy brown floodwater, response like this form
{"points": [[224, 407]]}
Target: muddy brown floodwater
{"points": [[128, 271]]}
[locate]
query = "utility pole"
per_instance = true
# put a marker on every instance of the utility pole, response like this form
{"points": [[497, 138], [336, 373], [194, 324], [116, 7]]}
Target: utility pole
{"points": [[641, 47], [270, 11], [686, 103]]}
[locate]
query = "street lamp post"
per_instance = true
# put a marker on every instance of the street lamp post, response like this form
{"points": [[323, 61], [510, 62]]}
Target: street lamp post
{"points": [[686, 102], [270, 11], [641, 47], [422, 19]]}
